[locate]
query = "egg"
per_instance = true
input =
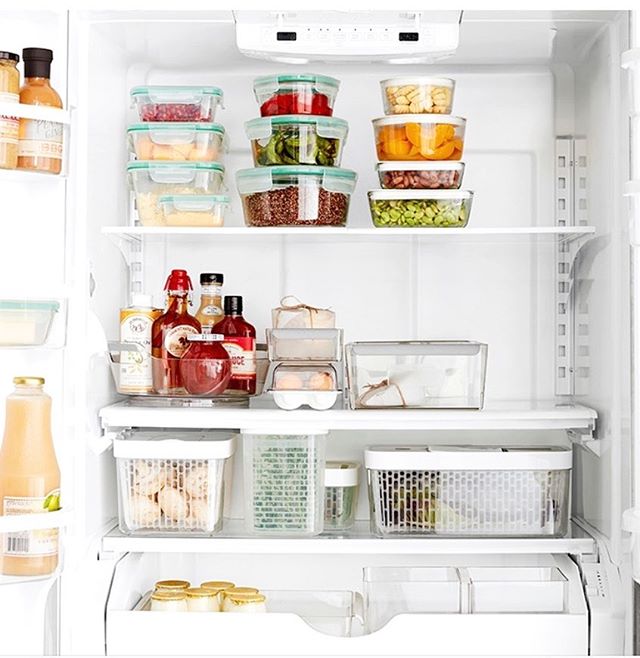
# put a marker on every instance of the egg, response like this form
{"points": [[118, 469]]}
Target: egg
{"points": [[174, 504], [289, 381], [320, 381]]}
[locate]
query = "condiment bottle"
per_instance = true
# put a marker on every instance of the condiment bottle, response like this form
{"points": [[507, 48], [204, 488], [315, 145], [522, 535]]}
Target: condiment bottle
{"points": [[169, 335], [9, 93], [40, 145], [210, 311], [240, 343], [29, 479]]}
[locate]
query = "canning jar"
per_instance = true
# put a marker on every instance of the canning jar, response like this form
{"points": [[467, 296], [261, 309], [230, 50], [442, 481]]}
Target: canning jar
{"points": [[167, 601], [9, 125]]}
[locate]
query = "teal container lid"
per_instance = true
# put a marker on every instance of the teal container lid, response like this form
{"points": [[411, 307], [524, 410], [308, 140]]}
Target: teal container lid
{"points": [[29, 305], [262, 179], [175, 126], [195, 200], [176, 93], [160, 165], [262, 127], [266, 83]]}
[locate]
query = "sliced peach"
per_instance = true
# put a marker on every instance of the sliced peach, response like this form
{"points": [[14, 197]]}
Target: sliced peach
{"points": [[397, 148], [458, 144], [456, 155], [444, 152], [166, 152], [444, 133], [184, 149], [414, 133], [388, 133], [144, 149]]}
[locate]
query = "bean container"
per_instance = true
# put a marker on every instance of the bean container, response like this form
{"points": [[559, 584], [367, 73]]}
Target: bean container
{"points": [[420, 175], [341, 495], [176, 103]]}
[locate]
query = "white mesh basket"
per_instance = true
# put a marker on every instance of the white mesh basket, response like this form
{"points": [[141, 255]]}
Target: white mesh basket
{"points": [[171, 484], [457, 491]]}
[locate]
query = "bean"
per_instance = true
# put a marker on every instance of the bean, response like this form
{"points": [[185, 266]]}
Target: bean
{"points": [[445, 179], [419, 212]]}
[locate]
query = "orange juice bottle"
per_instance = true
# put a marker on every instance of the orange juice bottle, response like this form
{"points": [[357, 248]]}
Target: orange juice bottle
{"points": [[29, 479]]}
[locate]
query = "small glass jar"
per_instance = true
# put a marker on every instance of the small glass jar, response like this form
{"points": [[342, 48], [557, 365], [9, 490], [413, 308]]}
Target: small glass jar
{"points": [[205, 366], [244, 602], [172, 585], [9, 125], [167, 601], [241, 590], [200, 599], [219, 586]]}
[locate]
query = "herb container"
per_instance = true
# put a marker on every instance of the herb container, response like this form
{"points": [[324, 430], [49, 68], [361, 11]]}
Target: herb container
{"points": [[303, 93], [420, 175], [296, 140], [177, 103], [194, 209], [420, 208], [194, 142], [295, 195], [341, 495]]}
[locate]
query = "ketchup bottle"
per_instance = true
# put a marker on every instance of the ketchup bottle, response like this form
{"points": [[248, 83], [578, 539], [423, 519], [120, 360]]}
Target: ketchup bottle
{"points": [[169, 335], [240, 343]]}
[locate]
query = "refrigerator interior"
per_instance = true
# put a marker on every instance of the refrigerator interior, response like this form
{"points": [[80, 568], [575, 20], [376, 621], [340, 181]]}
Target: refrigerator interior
{"points": [[523, 79]]}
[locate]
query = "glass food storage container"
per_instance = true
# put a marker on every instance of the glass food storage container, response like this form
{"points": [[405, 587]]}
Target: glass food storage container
{"points": [[340, 495], [150, 180], [171, 481], [176, 103], [195, 142], [315, 385], [420, 175], [295, 195], [25, 323], [469, 491], [416, 374], [194, 209], [284, 481], [420, 208], [296, 139], [304, 344], [301, 93], [419, 137], [417, 95]]}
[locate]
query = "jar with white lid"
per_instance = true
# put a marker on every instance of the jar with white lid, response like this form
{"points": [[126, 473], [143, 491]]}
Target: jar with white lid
{"points": [[200, 599], [167, 601], [341, 495], [244, 602]]}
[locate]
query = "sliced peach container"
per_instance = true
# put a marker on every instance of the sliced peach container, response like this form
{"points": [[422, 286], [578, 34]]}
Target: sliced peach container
{"points": [[178, 142], [419, 137]]}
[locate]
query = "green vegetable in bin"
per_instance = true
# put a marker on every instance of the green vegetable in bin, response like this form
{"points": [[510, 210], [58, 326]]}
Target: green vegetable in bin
{"points": [[295, 146]]}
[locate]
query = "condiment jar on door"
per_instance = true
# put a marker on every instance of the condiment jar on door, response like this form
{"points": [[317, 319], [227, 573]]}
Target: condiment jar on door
{"points": [[9, 93]]}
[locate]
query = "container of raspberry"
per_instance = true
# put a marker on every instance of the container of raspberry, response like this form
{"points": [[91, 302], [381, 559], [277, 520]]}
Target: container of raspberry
{"points": [[176, 103]]}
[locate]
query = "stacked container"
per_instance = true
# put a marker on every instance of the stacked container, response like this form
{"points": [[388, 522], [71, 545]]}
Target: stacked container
{"points": [[176, 171], [297, 147], [419, 145]]}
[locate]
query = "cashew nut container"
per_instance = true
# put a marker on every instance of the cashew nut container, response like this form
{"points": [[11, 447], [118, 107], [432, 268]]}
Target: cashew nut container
{"points": [[194, 209], [150, 180], [297, 139], [419, 137], [295, 195], [420, 175], [341, 495], [176, 103], [420, 208], [297, 93], [417, 95], [194, 142]]}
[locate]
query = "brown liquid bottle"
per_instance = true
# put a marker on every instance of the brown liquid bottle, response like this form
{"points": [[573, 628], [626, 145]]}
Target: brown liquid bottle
{"points": [[210, 311], [39, 142]]}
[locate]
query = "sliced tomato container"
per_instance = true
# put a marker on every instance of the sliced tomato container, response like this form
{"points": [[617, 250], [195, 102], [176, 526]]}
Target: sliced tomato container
{"points": [[305, 93]]}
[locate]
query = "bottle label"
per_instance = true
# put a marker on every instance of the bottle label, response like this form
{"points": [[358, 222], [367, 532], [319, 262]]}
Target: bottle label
{"points": [[8, 124], [40, 139], [31, 542], [175, 340], [242, 351], [136, 374]]}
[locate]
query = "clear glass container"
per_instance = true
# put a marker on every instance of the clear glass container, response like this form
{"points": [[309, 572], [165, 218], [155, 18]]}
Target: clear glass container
{"points": [[194, 142], [420, 175], [200, 599], [194, 209], [164, 601], [294, 385], [416, 374], [176, 103], [417, 95], [341, 495], [304, 344], [25, 322], [297, 93]]}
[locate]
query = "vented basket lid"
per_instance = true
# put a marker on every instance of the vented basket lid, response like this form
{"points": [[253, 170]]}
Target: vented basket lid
{"points": [[341, 474], [173, 445]]}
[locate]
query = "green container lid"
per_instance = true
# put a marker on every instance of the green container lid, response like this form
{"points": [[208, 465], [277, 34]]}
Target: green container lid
{"points": [[175, 126], [159, 165], [176, 93], [195, 200], [262, 127], [262, 179], [271, 83], [28, 305]]}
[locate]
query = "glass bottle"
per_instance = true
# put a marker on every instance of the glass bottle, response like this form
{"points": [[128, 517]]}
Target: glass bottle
{"points": [[29, 479], [169, 335], [40, 143], [210, 311], [9, 93], [240, 343]]}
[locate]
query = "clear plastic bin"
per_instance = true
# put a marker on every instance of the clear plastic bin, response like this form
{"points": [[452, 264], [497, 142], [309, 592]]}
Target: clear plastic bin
{"points": [[296, 93], [284, 481], [417, 95], [465, 491], [171, 481], [419, 137], [295, 195], [341, 495], [297, 140], [420, 175], [420, 208], [150, 180], [294, 385], [416, 374], [195, 142], [25, 323], [176, 103], [194, 209], [305, 344]]}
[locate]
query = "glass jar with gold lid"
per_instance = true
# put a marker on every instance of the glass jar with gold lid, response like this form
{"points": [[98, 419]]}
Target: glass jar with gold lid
{"points": [[167, 601], [172, 585], [9, 125], [200, 599], [244, 602]]}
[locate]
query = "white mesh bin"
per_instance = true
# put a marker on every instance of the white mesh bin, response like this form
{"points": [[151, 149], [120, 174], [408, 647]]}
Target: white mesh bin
{"points": [[171, 481], [508, 492], [284, 481]]}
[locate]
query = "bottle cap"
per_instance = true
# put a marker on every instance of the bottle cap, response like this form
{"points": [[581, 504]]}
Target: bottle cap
{"points": [[233, 305], [178, 280], [28, 381], [37, 62], [204, 338], [211, 278], [142, 300], [5, 54]]}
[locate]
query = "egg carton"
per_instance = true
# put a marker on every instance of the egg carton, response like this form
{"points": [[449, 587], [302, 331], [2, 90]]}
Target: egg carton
{"points": [[316, 385]]}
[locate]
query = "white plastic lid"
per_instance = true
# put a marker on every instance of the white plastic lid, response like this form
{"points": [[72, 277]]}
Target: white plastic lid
{"points": [[142, 300], [445, 119], [420, 165], [280, 430], [341, 474], [141, 444], [467, 458], [410, 195], [418, 80]]}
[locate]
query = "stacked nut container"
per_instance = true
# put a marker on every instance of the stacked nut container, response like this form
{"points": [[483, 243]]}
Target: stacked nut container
{"points": [[176, 171], [419, 146], [297, 146]]}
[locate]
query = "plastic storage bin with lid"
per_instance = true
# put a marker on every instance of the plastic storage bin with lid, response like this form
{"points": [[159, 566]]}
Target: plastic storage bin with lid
{"points": [[295, 195], [469, 491], [194, 142], [284, 480], [26, 322], [176, 102], [296, 93], [341, 495], [171, 480], [152, 179]]}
